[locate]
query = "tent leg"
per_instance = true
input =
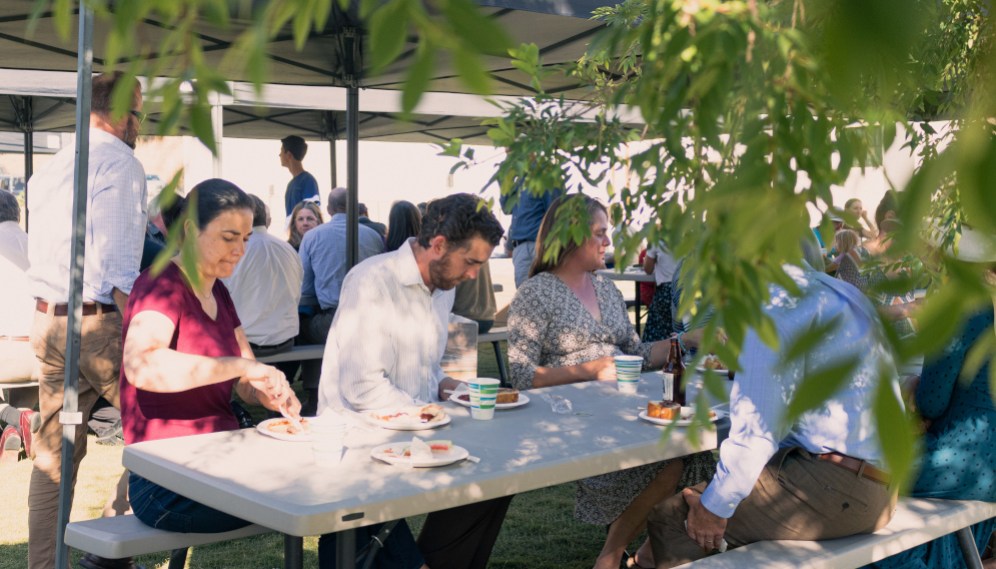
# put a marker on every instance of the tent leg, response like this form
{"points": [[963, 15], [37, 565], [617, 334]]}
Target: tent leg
{"points": [[352, 148], [218, 125], [29, 168], [333, 159], [71, 418]]}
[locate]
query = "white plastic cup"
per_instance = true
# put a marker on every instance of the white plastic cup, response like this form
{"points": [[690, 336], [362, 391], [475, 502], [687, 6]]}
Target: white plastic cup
{"points": [[628, 370], [483, 397], [328, 431]]}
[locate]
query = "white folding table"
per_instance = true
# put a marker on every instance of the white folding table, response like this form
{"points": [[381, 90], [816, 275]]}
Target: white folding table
{"points": [[277, 485]]}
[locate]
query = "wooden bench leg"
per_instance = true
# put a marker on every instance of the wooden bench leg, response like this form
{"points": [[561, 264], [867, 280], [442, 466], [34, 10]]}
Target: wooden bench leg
{"points": [[501, 364], [967, 542], [178, 558], [293, 552]]}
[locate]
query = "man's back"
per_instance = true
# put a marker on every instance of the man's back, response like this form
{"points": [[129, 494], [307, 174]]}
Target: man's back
{"points": [[527, 214], [115, 226], [266, 289], [323, 256], [302, 187], [19, 307]]}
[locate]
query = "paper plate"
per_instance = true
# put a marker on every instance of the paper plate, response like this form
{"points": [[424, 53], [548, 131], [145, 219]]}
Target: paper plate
{"points": [[685, 412], [456, 454], [263, 428], [523, 399], [408, 426]]}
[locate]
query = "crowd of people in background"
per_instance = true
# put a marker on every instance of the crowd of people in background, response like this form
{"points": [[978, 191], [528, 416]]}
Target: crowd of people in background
{"points": [[166, 344]]}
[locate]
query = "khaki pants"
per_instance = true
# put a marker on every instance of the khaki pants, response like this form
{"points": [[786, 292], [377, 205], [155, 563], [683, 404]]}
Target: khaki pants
{"points": [[100, 366], [797, 497]]}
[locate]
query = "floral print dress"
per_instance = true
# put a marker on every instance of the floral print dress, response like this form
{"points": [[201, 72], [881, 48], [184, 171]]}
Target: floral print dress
{"points": [[550, 327]]}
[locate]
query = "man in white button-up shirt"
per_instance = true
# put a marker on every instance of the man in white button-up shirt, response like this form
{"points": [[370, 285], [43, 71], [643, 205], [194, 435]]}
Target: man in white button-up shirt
{"points": [[115, 229], [266, 288], [384, 351]]}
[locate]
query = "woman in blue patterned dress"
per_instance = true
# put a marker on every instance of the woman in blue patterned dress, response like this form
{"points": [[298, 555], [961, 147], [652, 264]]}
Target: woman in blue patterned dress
{"points": [[959, 459]]}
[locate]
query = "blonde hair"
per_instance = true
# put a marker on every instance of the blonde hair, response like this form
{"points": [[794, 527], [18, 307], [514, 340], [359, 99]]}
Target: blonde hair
{"points": [[845, 241], [295, 235]]}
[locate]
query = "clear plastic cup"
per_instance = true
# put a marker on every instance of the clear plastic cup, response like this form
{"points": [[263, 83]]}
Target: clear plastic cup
{"points": [[483, 397], [328, 431]]}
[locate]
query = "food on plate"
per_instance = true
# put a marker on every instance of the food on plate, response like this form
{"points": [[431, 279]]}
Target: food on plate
{"points": [[663, 410], [285, 427], [690, 416], [505, 395], [712, 362], [414, 415], [435, 446]]}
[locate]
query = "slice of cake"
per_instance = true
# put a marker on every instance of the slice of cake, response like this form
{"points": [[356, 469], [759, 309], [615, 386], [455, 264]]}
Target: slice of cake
{"points": [[663, 410], [507, 395]]}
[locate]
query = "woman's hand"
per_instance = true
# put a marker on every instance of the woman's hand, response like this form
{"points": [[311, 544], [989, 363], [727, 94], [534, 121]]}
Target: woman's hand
{"points": [[603, 369], [272, 389]]}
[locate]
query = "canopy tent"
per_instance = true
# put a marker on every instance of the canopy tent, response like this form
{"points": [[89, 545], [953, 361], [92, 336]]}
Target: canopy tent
{"points": [[331, 58]]}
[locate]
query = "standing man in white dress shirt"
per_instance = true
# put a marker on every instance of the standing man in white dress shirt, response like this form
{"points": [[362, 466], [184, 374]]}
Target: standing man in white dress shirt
{"points": [[17, 360], [115, 229], [266, 288], [384, 351]]}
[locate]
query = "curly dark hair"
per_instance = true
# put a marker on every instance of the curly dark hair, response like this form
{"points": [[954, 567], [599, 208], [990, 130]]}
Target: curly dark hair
{"points": [[459, 218]]}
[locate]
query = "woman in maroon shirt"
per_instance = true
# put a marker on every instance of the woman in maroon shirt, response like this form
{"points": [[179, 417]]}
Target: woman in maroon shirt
{"points": [[184, 351]]}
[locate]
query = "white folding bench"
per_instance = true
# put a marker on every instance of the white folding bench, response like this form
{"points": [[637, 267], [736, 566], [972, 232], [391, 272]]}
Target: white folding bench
{"points": [[297, 353], [495, 336], [126, 536], [917, 521]]}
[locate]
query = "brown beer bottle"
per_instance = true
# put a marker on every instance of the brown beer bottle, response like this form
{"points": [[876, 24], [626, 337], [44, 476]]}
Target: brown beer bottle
{"points": [[674, 372]]}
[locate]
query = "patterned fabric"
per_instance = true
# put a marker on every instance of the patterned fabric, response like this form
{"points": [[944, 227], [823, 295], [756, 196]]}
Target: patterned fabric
{"points": [[116, 219], [388, 337], [959, 461], [549, 327], [659, 321], [646, 289], [323, 256], [849, 270], [844, 424]]}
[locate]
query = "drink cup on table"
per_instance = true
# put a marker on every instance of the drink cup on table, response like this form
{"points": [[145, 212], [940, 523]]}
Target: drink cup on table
{"points": [[328, 431], [628, 370], [483, 396]]}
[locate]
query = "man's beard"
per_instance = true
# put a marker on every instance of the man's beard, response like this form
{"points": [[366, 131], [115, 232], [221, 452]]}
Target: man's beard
{"points": [[437, 274], [131, 138]]}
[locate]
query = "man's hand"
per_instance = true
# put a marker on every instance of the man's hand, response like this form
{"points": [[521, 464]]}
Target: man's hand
{"points": [[705, 527], [120, 299], [447, 384]]}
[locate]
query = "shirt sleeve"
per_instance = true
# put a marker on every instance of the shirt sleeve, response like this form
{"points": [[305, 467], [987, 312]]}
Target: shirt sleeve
{"points": [[162, 294], [757, 403], [630, 341], [310, 190], [119, 222], [527, 329], [940, 374], [308, 282], [365, 348]]}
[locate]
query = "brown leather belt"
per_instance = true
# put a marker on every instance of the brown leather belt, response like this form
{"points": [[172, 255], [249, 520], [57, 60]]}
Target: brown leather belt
{"points": [[89, 308], [14, 338], [857, 466]]}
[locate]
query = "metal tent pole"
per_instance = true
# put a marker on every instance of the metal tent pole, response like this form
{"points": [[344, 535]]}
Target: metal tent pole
{"points": [[70, 417], [29, 153], [218, 125], [352, 149], [332, 160], [332, 134]]}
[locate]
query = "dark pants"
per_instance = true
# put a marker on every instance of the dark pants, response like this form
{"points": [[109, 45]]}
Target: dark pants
{"points": [[289, 369], [457, 538], [163, 509], [314, 330], [797, 497], [483, 326], [104, 417]]}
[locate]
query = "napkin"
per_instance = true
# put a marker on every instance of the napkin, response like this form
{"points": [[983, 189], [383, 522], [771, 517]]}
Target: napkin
{"points": [[460, 390], [420, 450]]}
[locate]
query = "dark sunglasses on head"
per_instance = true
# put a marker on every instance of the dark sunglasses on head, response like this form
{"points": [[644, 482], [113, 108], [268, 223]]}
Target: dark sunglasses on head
{"points": [[139, 115]]}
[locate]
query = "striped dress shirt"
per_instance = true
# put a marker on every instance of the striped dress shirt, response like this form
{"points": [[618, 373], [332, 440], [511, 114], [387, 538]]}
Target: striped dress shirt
{"points": [[387, 338], [116, 221]]}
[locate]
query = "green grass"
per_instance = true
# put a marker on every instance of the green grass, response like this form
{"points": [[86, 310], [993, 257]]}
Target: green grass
{"points": [[540, 531]]}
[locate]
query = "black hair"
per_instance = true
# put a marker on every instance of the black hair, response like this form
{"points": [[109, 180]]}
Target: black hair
{"points": [[295, 145], [102, 91], [404, 222], [172, 213], [214, 197], [459, 218], [258, 211], [890, 202], [361, 208], [10, 210]]}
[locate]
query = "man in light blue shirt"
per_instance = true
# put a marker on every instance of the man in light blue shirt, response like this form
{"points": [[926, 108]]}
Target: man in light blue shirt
{"points": [[323, 256], [820, 477]]}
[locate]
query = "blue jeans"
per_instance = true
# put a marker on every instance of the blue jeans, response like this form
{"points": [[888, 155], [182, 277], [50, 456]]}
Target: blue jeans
{"points": [[399, 551], [160, 508]]}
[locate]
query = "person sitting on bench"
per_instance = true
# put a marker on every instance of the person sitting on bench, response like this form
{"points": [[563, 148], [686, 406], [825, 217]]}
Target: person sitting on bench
{"points": [[184, 352], [818, 478]]}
